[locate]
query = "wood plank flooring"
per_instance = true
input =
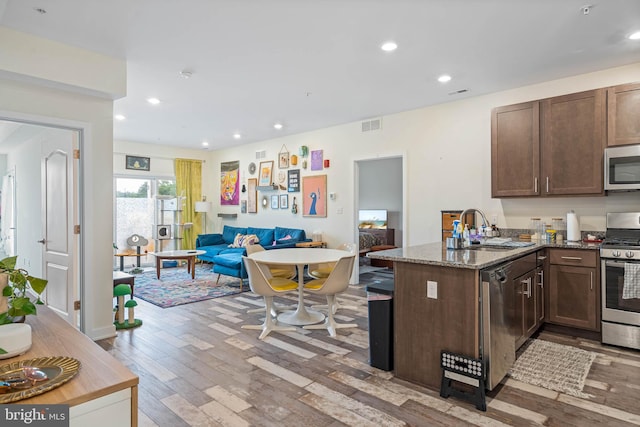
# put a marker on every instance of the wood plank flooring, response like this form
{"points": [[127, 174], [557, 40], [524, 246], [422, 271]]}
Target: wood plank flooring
{"points": [[197, 367]]}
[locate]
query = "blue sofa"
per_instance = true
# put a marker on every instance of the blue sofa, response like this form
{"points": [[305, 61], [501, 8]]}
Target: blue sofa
{"points": [[228, 261]]}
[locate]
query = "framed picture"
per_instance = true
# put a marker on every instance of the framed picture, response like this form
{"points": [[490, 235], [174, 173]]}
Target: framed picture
{"points": [[284, 201], [294, 180], [252, 195], [138, 163], [283, 158], [274, 201], [314, 195], [243, 206], [316, 160], [229, 179], [266, 171]]}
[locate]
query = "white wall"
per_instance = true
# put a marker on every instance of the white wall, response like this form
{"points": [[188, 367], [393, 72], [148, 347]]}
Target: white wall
{"points": [[447, 152], [31, 94]]}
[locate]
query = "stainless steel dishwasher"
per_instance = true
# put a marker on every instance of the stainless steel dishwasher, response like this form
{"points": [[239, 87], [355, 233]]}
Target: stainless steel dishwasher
{"points": [[498, 322]]}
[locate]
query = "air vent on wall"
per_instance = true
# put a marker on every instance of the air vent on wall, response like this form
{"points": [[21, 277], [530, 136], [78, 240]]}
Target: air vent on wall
{"points": [[458, 92], [261, 154], [372, 125]]}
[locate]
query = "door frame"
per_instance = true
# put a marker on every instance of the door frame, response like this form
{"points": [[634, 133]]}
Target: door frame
{"points": [[84, 133], [356, 198]]}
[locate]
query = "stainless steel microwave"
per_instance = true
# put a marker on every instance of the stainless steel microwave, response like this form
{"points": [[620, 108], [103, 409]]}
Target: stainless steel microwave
{"points": [[622, 168]]}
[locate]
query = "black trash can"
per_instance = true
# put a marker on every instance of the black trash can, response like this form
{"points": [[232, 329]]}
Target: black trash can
{"points": [[380, 302]]}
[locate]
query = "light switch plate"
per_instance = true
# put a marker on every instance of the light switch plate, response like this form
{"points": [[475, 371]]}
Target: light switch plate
{"points": [[432, 289]]}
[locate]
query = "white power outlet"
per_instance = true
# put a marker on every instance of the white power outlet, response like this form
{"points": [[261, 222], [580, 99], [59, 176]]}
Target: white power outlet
{"points": [[494, 219]]}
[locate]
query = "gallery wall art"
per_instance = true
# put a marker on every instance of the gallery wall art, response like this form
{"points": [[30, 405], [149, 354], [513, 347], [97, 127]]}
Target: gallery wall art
{"points": [[229, 179], [314, 195]]}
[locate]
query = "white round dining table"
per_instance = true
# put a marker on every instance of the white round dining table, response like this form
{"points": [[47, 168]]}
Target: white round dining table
{"points": [[299, 257]]}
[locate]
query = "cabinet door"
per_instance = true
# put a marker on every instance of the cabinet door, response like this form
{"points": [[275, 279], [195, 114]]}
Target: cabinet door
{"points": [[515, 150], [623, 123], [539, 291], [573, 296], [573, 141], [525, 317]]}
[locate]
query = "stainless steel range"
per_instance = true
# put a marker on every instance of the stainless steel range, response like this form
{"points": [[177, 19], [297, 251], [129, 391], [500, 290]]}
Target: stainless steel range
{"points": [[620, 254]]}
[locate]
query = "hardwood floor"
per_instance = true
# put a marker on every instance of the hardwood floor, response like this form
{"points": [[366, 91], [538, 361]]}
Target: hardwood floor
{"points": [[197, 367]]}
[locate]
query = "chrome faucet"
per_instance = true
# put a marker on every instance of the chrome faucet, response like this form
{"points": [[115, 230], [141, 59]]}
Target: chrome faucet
{"points": [[466, 211]]}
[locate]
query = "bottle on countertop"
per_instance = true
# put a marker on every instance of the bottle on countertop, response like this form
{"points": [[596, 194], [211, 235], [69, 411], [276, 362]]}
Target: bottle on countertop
{"points": [[465, 236]]}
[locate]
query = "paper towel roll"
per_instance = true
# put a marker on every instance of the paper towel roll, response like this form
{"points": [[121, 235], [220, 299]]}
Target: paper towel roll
{"points": [[573, 227]]}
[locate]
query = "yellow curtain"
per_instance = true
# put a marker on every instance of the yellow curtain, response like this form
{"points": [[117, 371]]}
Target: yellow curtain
{"points": [[189, 184]]}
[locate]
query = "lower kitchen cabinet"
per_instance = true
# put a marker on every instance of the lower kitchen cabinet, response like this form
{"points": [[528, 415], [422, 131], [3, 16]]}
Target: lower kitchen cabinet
{"points": [[528, 303], [574, 289]]}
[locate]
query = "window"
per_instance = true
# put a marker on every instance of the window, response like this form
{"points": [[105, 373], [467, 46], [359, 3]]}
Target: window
{"points": [[135, 212]]}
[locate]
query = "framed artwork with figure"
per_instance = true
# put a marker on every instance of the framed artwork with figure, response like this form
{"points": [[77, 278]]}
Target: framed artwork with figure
{"points": [[314, 196], [266, 171]]}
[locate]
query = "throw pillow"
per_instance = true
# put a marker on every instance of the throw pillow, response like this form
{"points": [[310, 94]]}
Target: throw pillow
{"points": [[242, 240]]}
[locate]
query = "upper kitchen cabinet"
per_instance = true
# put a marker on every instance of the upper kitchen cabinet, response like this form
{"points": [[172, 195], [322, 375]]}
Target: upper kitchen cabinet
{"points": [[551, 147], [623, 115], [515, 150], [573, 137]]}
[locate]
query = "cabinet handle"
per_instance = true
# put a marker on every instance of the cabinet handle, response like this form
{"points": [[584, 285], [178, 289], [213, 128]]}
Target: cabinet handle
{"points": [[572, 258], [547, 184], [591, 280], [542, 258], [541, 282], [535, 185]]}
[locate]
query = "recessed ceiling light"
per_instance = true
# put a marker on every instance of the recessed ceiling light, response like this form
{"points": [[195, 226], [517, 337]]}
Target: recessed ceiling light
{"points": [[444, 78], [185, 74], [237, 136], [119, 117], [205, 144], [389, 46], [635, 36], [278, 126], [153, 101]]}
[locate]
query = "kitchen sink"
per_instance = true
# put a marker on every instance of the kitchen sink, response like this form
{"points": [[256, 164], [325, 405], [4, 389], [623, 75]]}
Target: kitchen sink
{"points": [[492, 248]]}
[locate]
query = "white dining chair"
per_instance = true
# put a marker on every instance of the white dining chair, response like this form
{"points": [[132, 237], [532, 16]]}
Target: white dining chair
{"points": [[262, 283], [337, 282], [322, 271], [285, 271]]}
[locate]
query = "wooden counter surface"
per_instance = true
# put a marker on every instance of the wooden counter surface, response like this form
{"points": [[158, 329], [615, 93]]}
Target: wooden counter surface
{"points": [[100, 373]]}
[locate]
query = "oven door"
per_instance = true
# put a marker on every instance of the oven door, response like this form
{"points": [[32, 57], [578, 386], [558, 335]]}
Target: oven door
{"points": [[614, 307]]}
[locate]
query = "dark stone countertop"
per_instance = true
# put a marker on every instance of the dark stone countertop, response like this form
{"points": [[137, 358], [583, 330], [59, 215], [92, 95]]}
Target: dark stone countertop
{"points": [[438, 254]]}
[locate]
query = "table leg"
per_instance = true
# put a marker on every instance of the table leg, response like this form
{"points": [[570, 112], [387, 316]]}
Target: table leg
{"points": [[191, 262], [158, 267], [121, 263], [301, 316]]}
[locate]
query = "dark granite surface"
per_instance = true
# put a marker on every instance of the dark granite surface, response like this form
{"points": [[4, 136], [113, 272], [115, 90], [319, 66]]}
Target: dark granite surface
{"points": [[438, 254]]}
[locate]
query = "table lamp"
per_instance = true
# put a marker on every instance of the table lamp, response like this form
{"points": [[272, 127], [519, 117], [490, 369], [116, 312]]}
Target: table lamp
{"points": [[203, 207]]}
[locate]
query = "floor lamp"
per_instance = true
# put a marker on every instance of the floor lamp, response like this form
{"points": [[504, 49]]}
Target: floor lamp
{"points": [[203, 208]]}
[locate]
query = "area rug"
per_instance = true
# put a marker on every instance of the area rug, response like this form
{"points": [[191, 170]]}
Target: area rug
{"points": [[175, 286], [554, 366]]}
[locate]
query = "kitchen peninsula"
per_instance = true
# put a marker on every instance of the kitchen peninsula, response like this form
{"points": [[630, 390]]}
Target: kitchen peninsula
{"points": [[438, 301], [103, 393]]}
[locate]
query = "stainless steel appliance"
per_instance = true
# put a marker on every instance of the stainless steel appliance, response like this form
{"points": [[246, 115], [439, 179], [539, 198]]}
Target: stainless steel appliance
{"points": [[622, 168], [499, 325], [620, 251]]}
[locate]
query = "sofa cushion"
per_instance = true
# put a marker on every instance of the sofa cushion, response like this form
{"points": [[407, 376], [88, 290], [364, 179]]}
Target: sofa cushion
{"points": [[229, 233], [243, 240], [210, 239], [266, 235], [287, 235]]}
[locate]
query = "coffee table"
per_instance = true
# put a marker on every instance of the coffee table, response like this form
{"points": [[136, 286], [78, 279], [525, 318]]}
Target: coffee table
{"points": [[299, 257], [188, 255]]}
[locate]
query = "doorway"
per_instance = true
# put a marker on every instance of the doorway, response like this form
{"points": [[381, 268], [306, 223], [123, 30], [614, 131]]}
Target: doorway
{"points": [[46, 194], [380, 187]]}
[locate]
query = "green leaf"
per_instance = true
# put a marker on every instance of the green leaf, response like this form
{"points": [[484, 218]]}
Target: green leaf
{"points": [[9, 263], [3, 351], [22, 307], [37, 284], [5, 319], [7, 291]]}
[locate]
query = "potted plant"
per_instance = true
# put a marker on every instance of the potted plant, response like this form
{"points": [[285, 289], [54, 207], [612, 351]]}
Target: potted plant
{"points": [[15, 304]]}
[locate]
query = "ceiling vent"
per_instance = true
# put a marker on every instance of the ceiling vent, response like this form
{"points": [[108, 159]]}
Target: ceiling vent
{"points": [[458, 92], [372, 125], [261, 154]]}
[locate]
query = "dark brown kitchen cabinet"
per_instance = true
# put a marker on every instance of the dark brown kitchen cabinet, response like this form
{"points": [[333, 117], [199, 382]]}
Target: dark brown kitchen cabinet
{"points": [[574, 289], [551, 147], [572, 147], [515, 150], [623, 114], [526, 321]]}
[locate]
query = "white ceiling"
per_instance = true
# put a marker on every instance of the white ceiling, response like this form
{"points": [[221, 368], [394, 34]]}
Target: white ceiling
{"points": [[311, 64]]}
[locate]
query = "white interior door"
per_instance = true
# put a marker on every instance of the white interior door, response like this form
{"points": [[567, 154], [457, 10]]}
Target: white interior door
{"points": [[59, 242]]}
